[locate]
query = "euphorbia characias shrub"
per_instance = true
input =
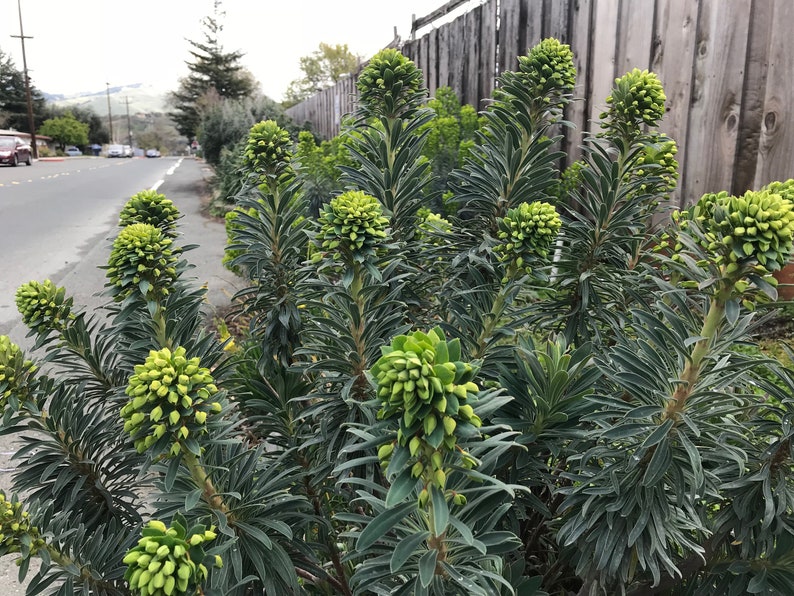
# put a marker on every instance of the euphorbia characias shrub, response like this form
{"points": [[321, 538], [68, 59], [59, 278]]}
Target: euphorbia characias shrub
{"points": [[150, 207], [408, 436]]}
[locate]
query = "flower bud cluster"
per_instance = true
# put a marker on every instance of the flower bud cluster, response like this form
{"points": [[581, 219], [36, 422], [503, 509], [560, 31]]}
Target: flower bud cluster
{"points": [[170, 397], [168, 561], [141, 260], [150, 207], [390, 86], [660, 156], [44, 306], [549, 72], [352, 223], [431, 226], [526, 234], [756, 227], [15, 372], [15, 528], [268, 149], [421, 379], [637, 99]]}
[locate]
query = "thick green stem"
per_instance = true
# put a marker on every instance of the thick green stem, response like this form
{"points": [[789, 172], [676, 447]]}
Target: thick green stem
{"points": [[493, 317], [202, 480], [700, 350]]}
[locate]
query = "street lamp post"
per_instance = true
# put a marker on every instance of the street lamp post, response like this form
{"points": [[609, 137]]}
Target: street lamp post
{"points": [[110, 117], [31, 122]]}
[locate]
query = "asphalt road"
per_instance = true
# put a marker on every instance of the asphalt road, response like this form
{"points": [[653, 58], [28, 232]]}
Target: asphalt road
{"points": [[57, 222]]}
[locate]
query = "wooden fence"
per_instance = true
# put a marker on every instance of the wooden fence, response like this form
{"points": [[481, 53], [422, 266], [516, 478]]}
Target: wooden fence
{"points": [[727, 68]]}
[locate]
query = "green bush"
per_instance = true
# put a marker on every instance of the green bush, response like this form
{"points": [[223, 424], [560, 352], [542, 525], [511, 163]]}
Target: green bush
{"points": [[520, 398]]}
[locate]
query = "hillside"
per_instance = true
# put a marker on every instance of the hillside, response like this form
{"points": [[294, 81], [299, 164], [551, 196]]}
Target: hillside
{"points": [[143, 99]]}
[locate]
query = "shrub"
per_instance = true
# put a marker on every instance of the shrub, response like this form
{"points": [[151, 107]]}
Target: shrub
{"points": [[523, 398]]}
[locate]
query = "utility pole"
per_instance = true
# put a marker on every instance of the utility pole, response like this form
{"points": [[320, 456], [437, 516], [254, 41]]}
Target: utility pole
{"points": [[31, 123], [129, 124], [110, 117]]}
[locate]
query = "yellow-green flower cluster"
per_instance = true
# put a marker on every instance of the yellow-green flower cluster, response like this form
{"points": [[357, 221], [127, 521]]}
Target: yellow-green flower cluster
{"points": [[526, 234], [352, 223], [784, 189], [16, 532], [755, 227], [268, 149], [657, 160], [549, 71], [432, 225], [637, 99], [422, 380], [15, 372], [141, 260], [168, 561], [390, 86], [150, 207], [44, 306], [170, 400]]}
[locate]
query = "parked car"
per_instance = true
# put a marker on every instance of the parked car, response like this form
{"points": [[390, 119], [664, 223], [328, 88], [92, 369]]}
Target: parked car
{"points": [[152, 153], [128, 151], [72, 151], [115, 151], [14, 151]]}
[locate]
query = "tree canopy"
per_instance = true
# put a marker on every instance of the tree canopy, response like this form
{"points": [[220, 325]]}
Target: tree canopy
{"points": [[321, 69], [212, 69], [66, 130], [13, 100]]}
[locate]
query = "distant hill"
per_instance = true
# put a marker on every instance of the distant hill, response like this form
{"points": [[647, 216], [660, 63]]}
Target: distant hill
{"points": [[143, 99]]}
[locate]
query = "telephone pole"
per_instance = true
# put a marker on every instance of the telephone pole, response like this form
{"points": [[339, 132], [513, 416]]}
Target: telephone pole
{"points": [[110, 117], [31, 123], [129, 123]]}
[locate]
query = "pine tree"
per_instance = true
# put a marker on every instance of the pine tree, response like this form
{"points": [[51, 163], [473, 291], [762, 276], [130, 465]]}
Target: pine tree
{"points": [[13, 101], [211, 70]]}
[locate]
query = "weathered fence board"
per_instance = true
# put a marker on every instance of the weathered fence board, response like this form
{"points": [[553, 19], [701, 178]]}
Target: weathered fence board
{"points": [[726, 69], [716, 102], [776, 143]]}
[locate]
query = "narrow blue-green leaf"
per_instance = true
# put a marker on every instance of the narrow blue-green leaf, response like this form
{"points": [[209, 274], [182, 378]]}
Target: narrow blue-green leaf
{"points": [[192, 498], [732, 311], [384, 522], [405, 548], [657, 435], [401, 487], [440, 511], [427, 567]]}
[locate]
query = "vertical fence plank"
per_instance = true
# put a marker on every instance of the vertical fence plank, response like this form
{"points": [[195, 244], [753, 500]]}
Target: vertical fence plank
{"points": [[471, 56], [635, 36], [715, 108], [509, 34], [602, 57], [457, 56], [577, 111], [532, 19], [776, 143], [443, 55], [431, 76], [673, 60], [556, 20], [487, 62], [753, 93]]}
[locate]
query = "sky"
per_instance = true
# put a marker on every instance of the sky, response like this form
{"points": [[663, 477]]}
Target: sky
{"points": [[83, 45]]}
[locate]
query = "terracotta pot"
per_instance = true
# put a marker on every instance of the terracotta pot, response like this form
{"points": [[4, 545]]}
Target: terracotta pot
{"points": [[785, 280]]}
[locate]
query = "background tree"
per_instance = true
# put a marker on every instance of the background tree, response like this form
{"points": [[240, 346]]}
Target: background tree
{"points": [[97, 129], [65, 130], [13, 101], [321, 69], [211, 69]]}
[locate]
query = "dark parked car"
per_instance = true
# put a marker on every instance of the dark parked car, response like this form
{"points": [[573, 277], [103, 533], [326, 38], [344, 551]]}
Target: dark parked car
{"points": [[14, 151]]}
